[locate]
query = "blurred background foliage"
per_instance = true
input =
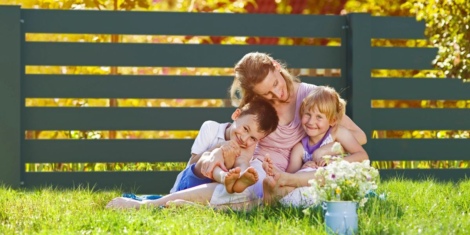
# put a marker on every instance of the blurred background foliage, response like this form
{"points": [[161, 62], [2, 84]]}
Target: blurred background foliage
{"points": [[447, 27]]}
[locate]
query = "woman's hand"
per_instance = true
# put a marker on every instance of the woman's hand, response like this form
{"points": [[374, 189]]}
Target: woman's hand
{"points": [[317, 157], [310, 164], [210, 161]]}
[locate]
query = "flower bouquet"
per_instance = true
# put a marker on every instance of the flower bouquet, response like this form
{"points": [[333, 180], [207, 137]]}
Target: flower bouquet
{"points": [[342, 185], [341, 180]]}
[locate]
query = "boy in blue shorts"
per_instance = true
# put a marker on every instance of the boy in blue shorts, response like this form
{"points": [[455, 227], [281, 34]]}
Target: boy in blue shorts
{"points": [[251, 123]]}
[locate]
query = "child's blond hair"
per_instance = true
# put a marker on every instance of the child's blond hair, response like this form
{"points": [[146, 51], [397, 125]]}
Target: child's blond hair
{"points": [[327, 101]]}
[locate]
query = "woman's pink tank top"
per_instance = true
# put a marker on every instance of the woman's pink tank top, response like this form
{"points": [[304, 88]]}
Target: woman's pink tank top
{"points": [[279, 144]]}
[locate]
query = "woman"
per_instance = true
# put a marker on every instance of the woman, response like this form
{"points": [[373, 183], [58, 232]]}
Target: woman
{"points": [[259, 75]]}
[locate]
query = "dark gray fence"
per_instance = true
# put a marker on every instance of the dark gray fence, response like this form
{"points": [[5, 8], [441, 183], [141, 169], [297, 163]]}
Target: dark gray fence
{"points": [[355, 57]]}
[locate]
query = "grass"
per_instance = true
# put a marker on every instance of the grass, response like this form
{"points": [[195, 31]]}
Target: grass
{"points": [[411, 207]]}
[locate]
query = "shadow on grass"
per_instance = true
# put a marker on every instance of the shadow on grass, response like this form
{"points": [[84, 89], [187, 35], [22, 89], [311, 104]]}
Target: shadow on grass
{"points": [[374, 211], [279, 212], [382, 207]]}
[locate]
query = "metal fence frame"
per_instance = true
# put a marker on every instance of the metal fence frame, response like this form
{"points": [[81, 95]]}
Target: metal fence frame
{"points": [[355, 57]]}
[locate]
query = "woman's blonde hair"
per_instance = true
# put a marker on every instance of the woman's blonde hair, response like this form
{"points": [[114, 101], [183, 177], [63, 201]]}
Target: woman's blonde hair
{"points": [[251, 70], [327, 101]]}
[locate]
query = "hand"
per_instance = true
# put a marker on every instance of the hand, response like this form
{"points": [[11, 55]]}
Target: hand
{"points": [[318, 159], [310, 164], [210, 161], [230, 149]]}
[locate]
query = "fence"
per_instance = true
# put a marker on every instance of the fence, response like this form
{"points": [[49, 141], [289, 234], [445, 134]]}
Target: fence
{"points": [[355, 57]]}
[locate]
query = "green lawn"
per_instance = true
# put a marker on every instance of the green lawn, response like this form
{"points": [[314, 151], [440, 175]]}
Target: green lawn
{"points": [[410, 208]]}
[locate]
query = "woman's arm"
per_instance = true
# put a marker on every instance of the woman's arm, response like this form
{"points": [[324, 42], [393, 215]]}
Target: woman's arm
{"points": [[195, 157], [350, 144], [356, 131], [322, 151], [210, 160]]}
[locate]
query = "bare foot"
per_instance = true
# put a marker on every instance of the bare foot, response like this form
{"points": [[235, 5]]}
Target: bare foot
{"points": [[247, 178], [268, 165], [230, 151], [269, 186], [232, 176], [279, 176]]}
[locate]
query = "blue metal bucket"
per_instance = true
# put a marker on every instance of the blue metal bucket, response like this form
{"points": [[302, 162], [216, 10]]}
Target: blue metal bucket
{"points": [[341, 217]]}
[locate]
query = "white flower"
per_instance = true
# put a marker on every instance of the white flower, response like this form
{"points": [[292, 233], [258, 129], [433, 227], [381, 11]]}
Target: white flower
{"points": [[337, 148], [363, 202], [382, 196], [327, 157], [306, 211]]}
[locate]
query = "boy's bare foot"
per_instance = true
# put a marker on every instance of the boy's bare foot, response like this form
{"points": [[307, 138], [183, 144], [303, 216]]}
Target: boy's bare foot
{"points": [[230, 151], [247, 178], [232, 176]]}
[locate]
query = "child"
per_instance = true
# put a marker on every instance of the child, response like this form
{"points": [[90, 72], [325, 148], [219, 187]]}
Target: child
{"points": [[251, 123], [320, 113]]}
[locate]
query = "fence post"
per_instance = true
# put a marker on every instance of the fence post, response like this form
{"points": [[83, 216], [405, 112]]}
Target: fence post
{"points": [[358, 69], [10, 97]]}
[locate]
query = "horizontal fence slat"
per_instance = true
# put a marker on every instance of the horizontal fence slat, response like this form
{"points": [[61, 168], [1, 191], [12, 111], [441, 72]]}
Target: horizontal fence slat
{"points": [[135, 86], [397, 27], [127, 86], [174, 55], [420, 119], [148, 182], [121, 150], [339, 83], [402, 57], [52, 118], [419, 89], [424, 174], [179, 23], [418, 149]]}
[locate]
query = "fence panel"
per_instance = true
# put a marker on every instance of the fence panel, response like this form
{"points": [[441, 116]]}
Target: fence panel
{"points": [[70, 151], [10, 101], [142, 182], [122, 118], [414, 119], [418, 149], [356, 58], [419, 89], [391, 27], [173, 55], [153, 87], [171, 23]]}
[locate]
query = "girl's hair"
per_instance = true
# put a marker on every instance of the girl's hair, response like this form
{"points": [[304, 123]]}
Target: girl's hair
{"points": [[328, 102], [251, 70]]}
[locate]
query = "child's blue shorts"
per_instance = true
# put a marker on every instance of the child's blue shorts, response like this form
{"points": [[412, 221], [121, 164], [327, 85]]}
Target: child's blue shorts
{"points": [[189, 179]]}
